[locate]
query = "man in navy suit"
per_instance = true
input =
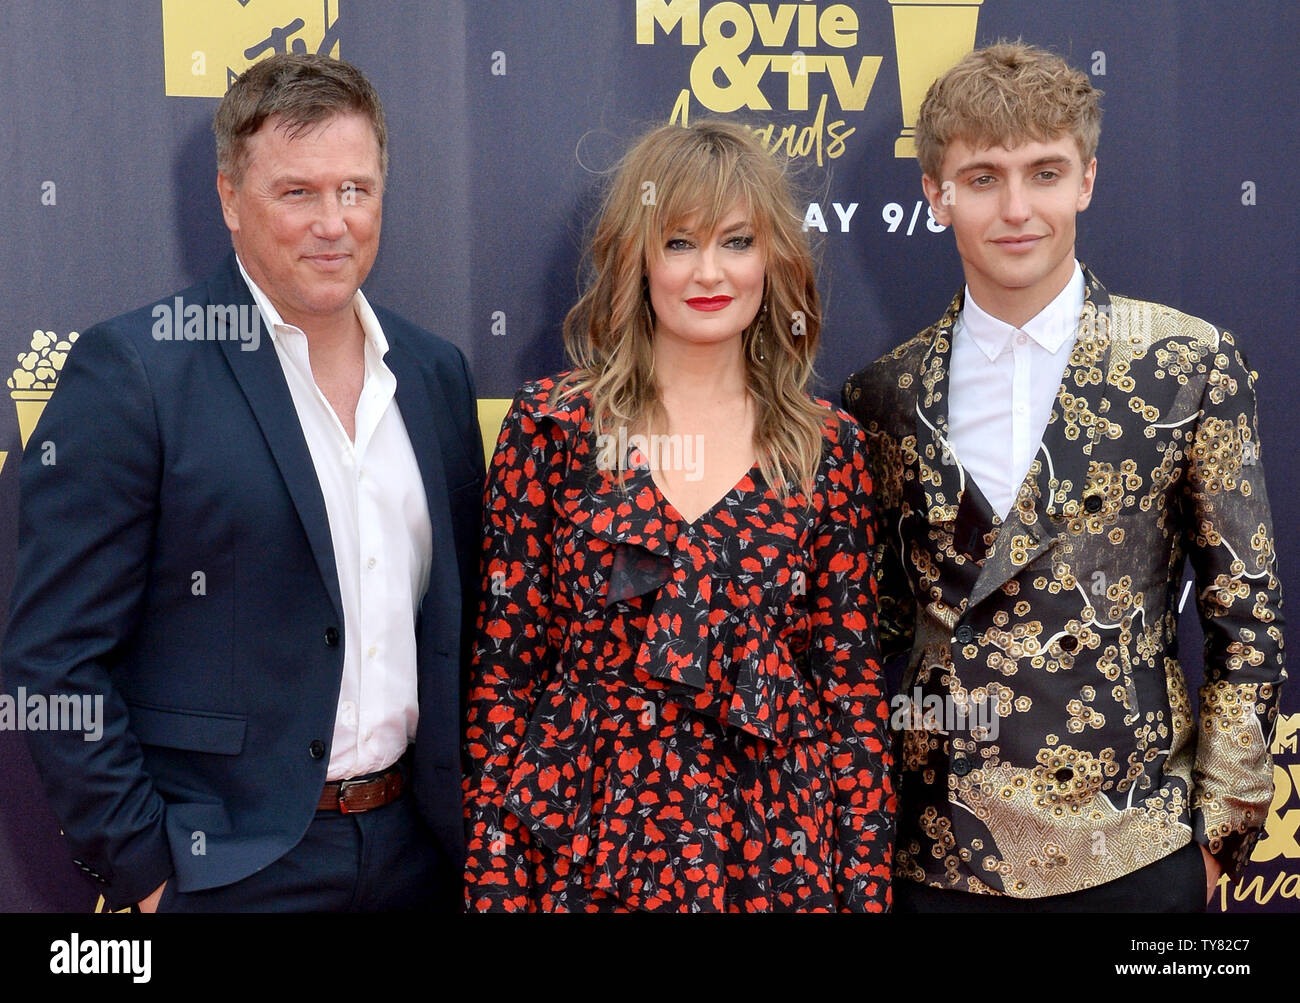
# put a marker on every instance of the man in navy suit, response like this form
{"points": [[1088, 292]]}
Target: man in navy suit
{"points": [[249, 530]]}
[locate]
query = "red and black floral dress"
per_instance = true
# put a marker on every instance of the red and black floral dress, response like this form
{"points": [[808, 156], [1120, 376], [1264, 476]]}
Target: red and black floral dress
{"points": [[668, 715]]}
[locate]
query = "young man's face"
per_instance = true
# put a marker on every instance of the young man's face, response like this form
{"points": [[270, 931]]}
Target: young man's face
{"points": [[1012, 212]]}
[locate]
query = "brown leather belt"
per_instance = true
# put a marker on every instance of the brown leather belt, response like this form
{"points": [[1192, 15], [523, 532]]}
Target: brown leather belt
{"points": [[351, 796]]}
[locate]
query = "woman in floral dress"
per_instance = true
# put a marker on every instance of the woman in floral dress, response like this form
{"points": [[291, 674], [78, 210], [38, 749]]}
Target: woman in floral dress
{"points": [[675, 702]]}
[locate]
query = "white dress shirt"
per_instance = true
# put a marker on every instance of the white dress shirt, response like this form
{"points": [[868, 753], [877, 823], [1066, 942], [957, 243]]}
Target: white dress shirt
{"points": [[1002, 385], [383, 543]]}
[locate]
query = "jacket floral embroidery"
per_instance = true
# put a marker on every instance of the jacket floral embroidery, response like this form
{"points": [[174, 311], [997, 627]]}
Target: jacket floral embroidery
{"points": [[1061, 621]]}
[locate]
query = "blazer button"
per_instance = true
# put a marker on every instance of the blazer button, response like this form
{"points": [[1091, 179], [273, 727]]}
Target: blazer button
{"points": [[1092, 503], [332, 637], [965, 634], [960, 766], [317, 748], [1069, 642]]}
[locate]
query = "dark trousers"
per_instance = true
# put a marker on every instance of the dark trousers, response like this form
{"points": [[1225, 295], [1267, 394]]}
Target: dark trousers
{"points": [[380, 860], [1175, 883]]}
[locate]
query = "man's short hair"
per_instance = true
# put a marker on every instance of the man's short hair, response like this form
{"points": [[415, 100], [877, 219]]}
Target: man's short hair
{"points": [[302, 91], [1005, 95]]}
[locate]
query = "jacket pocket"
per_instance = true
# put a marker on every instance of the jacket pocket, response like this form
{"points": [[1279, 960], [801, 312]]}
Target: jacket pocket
{"points": [[195, 731]]}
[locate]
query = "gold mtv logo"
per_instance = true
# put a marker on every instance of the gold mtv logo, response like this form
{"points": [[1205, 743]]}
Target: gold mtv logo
{"points": [[207, 43], [1287, 736], [1280, 830]]}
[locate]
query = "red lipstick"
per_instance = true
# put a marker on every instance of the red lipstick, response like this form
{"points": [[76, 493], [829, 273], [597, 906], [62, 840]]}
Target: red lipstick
{"points": [[708, 303]]}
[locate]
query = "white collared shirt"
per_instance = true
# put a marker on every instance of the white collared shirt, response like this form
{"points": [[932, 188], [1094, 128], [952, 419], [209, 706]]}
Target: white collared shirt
{"points": [[1002, 385], [383, 542]]}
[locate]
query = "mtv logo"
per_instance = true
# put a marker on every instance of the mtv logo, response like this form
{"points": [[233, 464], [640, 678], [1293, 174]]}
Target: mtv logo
{"points": [[1287, 735], [1282, 827], [207, 43]]}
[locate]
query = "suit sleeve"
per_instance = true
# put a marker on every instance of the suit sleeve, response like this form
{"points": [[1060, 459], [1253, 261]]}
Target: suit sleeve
{"points": [[513, 652], [896, 607], [86, 522], [844, 659], [1230, 542]]}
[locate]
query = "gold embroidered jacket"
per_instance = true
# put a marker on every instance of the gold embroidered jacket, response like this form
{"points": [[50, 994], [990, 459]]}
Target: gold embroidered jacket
{"points": [[1048, 741]]}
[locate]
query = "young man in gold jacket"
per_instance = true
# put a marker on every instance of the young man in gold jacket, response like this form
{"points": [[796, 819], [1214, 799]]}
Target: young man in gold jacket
{"points": [[1047, 455]]}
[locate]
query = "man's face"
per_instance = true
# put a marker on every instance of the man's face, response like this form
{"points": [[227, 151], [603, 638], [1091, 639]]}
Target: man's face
{"points": [[1012, 212], [306, 215]]}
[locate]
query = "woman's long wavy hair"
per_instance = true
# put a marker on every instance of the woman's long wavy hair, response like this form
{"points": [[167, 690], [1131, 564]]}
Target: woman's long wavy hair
{"points": [[699, 173]]}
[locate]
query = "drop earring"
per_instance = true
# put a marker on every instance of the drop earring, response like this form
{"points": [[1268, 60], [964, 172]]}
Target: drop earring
{"points": [[758, 333]]}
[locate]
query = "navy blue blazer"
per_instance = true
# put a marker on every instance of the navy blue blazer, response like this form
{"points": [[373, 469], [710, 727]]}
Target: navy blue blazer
{"points": [[156, 461]]}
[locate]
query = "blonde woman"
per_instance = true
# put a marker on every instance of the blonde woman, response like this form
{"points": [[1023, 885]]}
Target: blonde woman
{"points": [[675, 700]]}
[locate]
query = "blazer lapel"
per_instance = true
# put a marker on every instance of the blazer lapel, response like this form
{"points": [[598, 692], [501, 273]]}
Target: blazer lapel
{"points": [[1057, 484], [261, 379], [1083, 415], [421, 401], [940, 478]]}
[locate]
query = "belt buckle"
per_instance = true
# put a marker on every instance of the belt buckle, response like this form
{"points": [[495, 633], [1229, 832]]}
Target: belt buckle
{"points": [[344, 787]]}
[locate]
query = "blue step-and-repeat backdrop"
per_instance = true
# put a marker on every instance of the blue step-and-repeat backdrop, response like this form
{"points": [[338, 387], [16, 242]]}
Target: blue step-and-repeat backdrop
{"points": [[505, 116]]}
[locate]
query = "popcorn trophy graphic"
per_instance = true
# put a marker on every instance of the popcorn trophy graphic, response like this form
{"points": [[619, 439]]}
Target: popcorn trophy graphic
{"points": [[34, 379], [930, 37]]}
